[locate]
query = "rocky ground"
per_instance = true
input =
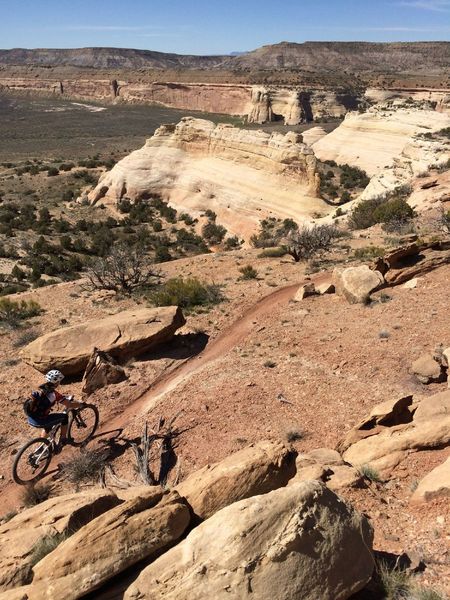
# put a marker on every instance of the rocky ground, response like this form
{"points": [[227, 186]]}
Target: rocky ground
{"points": [[275, 369]]}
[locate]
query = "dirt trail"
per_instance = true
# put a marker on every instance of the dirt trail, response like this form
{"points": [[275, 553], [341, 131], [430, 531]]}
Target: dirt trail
{"points": [[225, 341]]}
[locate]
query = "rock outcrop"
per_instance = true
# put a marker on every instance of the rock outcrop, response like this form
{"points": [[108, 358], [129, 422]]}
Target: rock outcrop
{"points": [[258, 469], [412, 260], [300, 541], [125, 334], [60, 515], [377, 138], [356, 283], [395, 428], [434, 485], [240, 174], [427, 369], [101, 370], [326, 465], [138, 529]]}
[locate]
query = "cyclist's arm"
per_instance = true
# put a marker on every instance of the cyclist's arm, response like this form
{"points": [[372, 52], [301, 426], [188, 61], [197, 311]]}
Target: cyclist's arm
{"points": [[69, 402]]}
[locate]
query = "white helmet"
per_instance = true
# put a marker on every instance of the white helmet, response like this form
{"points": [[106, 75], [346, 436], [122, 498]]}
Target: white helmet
{"points": [[54, 376]]}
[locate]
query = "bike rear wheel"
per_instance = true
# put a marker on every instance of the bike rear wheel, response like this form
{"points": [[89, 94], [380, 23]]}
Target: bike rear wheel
{"points": [[83, 424], [31, 462]]}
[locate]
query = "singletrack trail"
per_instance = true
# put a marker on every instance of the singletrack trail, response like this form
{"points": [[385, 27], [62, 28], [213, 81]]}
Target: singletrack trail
{"points": [[223, 343]]}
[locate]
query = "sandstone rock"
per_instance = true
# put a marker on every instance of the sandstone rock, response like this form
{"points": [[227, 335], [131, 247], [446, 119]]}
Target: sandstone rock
{"points": [[327, 466], [446, 355], [101, 370], [128, 333], [356, 283], [434, 485], [386, 437], [325, 288], [62, 514], [240, 174], [407, 262], [411, 284], [257, 469], [427, 369], [301, 541], [377, 137], [304, 291], [138, 529]]}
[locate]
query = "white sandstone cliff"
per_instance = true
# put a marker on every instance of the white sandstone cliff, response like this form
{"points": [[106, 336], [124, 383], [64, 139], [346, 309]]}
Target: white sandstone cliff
{"points": [[242, 175]]}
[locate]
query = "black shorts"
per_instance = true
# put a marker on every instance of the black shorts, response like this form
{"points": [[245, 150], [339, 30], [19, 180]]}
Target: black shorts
{"points": [[49, 421]]}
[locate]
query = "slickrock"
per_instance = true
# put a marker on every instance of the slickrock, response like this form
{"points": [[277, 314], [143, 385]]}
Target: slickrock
{"points": [[242, 175], [139, 528], [372, 140], [434, 485], [258, 469], [356, 283], [301, 541], [128, 333], [62, 514], [395, 428]]}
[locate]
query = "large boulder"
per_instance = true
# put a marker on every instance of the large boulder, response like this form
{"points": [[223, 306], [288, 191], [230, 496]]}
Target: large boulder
{"points": [[138, 529], [393, 429], [59, 515], [356, 283], [434, 485], [301, 541], [257, 469], [128, 333]]}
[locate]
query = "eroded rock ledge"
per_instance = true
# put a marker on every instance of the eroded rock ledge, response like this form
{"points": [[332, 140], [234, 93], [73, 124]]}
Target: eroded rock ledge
{"points": [[242, 175]]}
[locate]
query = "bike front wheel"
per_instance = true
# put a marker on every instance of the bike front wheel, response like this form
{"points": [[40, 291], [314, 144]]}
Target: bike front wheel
{"points": [[83, 424], [31, 462]]}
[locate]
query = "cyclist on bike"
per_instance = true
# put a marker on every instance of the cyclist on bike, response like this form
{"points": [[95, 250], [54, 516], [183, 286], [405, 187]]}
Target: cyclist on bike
{"points": [[39, 406]]}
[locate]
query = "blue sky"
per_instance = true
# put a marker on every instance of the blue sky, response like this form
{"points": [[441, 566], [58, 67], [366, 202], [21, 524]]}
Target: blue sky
{"points": [[215, 27]]}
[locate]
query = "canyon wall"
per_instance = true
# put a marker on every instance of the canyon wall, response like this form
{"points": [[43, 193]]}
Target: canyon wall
{"points": [[258, 104], [242, 175]]}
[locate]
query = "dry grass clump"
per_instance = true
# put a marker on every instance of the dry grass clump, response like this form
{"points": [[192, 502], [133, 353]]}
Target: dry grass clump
{"points": [[85, 467], [35, 494]]}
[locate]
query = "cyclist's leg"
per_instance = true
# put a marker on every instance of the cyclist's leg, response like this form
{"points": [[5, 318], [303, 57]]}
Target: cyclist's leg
{"points": [[49, 421]]}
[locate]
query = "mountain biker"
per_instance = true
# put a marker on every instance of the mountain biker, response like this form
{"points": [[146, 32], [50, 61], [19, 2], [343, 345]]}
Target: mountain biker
{"points": [[38, 408]]}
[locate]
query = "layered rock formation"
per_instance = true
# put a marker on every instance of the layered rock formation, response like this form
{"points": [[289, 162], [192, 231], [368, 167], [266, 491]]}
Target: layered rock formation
{"points": [[384, 134], [242, 175], [257, 103], [128, 333]]}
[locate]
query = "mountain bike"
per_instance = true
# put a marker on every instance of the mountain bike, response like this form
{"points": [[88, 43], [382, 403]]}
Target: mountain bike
{"points": [[32, 460]]}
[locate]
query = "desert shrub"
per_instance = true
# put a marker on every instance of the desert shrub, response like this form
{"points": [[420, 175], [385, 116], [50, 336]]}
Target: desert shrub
{"points": [[191, 242], [35, 494], [294, 434], [213, 233], [232, 243], [66, 166], [248, 272], [345, 197], [308, 242], [186, 293], [395, 584], [124, 269], [445, 219], [370, 473], [187, 219], [85, 176], [352, 177], [53, 171], [45, 545], [397, 210], [157, 225], [369, 252], [11, 312], [162, 254], [86, 466], [25, 338], [18, 274], [270, 364]]}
